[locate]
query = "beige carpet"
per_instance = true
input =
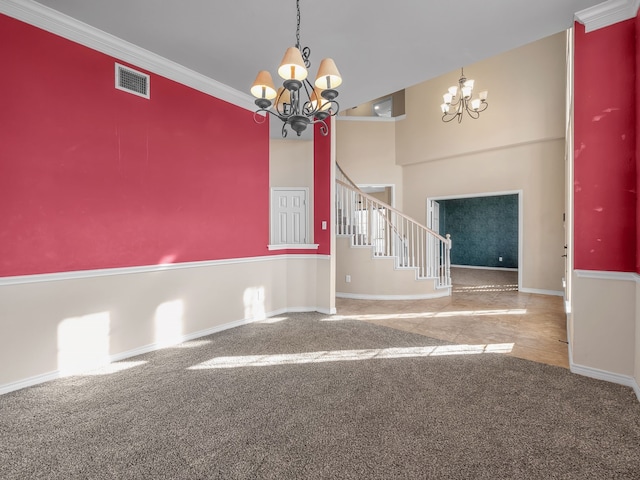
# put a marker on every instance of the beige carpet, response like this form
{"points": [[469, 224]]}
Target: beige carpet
{"points": [[313, 397]]}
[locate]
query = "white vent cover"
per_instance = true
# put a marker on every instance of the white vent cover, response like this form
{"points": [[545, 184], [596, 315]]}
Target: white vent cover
{"points": [[132, 81]]}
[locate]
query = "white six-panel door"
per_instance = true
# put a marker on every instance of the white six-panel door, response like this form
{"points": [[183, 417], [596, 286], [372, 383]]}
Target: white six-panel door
{"points": [[289, 213]]}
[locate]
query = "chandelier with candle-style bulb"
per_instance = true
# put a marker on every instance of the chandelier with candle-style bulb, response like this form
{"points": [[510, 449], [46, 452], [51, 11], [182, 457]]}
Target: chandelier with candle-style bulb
{"points": [[298, 103], [459, 99]]}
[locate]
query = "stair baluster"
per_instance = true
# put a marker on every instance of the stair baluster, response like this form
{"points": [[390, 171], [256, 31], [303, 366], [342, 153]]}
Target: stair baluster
{"points": [[371, 222]]}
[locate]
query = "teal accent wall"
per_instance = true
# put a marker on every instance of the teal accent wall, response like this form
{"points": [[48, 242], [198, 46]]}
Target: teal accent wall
{"points": [[482, 230]]}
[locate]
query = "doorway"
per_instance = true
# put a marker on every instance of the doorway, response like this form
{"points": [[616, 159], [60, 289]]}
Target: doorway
{"points": [[486, 229]]}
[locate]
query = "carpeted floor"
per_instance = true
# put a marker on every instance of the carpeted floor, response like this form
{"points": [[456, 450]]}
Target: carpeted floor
{"points": [[306, 397]]}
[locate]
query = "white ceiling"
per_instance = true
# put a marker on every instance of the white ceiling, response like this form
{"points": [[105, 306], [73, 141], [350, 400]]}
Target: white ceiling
{"points": [[379, 47]]}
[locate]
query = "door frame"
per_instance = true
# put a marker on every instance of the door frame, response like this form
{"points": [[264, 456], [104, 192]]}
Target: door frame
{"points": [[520, 194], [271, 213]]}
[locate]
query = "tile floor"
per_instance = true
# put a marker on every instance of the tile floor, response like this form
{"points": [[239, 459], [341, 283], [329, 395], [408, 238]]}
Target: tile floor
{"points": [[485, 308]]}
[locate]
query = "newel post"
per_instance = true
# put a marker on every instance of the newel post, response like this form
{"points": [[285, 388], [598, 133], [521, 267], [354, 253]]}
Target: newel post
{"points": [[448, 260]]}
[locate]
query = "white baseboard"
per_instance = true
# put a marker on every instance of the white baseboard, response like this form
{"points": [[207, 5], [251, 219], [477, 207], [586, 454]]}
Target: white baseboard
{"points": [[29, 382], [118, 357], [362, 296], [626, 380], [475, 267], [556, 293]]}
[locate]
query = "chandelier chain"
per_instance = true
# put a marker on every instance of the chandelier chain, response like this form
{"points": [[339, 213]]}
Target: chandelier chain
{"points": [[306, 51], [298, 25]]}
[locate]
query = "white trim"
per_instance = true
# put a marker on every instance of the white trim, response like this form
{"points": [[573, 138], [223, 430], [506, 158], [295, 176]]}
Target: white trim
{"points": [[294, 246], [361, 296], [538, 291], [273, 222], [29, 382], [37, 379], [475, 267], [567, 307], [604, 275], [355, 118], [607, 13], [626, 380], [67, 27], [52, 277], [327, 311], [475, 195]]}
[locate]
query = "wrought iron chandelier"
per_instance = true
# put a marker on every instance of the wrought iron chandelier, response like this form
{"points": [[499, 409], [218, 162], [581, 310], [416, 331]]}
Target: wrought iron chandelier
{"points": [[298, 103], [458, 100]]}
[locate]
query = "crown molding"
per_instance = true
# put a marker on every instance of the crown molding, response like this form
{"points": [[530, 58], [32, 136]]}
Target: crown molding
{"points": [[607, 13], [67, 27]]}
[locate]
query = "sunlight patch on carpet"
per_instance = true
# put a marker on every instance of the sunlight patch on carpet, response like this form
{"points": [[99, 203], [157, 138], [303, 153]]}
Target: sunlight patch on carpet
{"points": [[445, 314], [350, 355]]}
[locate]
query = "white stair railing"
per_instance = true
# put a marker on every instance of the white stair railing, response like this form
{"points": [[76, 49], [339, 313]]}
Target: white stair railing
{"points": [[390, 233]]}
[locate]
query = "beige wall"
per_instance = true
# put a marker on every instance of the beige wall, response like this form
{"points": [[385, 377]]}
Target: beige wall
{"points": [[191, 300], [366, 151], [291, 163], [384, 197], [377, 278], [605, 318], [536, 169], [526, 104], [517, 144]]}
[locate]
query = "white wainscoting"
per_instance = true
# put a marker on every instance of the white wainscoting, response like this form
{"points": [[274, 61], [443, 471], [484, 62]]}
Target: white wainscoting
{"points": [[102, 316], [605, 322]]}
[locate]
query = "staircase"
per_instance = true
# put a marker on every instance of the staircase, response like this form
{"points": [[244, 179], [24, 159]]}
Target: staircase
{"points": [[384, 254]]}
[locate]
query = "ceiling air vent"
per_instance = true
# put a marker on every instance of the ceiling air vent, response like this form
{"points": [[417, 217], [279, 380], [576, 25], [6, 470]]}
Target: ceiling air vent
{"points": [[132, 81]]}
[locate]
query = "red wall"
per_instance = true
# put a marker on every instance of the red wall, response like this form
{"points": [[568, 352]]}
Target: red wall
{"points": [[605, 148], [322, 189], [93, 177], [637, 143]]}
